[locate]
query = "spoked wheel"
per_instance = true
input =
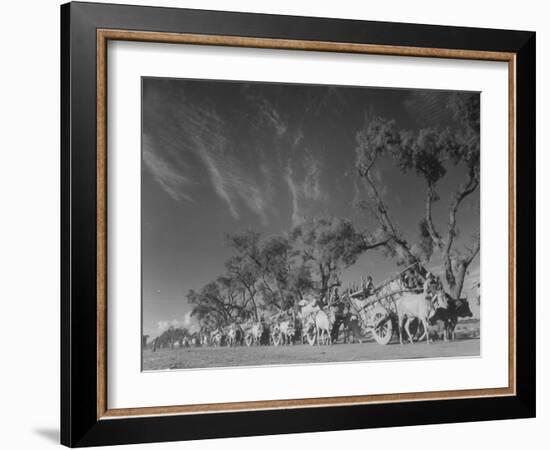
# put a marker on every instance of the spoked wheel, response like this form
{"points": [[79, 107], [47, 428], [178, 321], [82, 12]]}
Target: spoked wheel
{"points": [[382, 326]]}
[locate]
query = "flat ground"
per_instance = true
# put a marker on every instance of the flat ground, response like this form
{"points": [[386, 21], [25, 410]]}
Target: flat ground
{"points": [[200, 357]]}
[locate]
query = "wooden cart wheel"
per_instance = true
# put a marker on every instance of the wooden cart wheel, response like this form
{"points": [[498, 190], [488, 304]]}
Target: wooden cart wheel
{"points": [[382, 326]]}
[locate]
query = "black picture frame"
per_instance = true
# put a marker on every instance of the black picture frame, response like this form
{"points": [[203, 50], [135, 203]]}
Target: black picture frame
{"points": [[80, 425]]}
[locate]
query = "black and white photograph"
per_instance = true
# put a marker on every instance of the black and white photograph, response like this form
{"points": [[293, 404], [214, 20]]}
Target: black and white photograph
{"points": [[298, 224], [276, 225]]}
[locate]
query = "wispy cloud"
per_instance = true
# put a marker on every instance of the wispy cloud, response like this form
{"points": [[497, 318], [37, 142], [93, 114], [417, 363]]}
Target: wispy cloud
{"points": [[304, 185], [272, 116], [233, 187], [295, 194], [219, 180], [165, 173], [203, 134], [231, 182], [298, 137], [311, 185]]}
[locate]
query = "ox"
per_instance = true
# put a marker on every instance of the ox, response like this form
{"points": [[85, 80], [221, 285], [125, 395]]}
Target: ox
{"points": [[288, 331], [254, 333], [216, 337], [258, 331], [449, 316], [234, 335], [204, 337], [417, 306], [311, 316], [307, 325], [308, 310], [322, 328]]}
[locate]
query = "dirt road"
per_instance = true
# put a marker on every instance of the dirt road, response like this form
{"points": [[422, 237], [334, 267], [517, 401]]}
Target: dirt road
{"points": [[200, 357]]}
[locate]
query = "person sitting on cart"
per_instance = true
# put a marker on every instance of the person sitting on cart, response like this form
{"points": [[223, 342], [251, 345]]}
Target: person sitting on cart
{"points": [[336, 296], [432, 286], [429, 287], [438, 284], [320, 301], [369, 287], [438, 288], [409, 279], [417, 280]]}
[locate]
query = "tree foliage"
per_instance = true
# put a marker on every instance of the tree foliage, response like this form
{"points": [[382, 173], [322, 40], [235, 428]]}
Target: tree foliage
{"points": [[273, 273], [327, 245], [428, 153]]}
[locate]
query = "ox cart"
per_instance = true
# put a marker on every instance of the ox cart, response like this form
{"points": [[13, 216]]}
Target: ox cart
{"points": [[375, 311], [369, 313]]}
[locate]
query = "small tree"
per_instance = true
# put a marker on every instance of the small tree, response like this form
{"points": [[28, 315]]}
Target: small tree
{"points": [[213, 304]]}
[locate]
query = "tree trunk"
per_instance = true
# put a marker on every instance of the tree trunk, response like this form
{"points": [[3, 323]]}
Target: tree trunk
{"points": [[399, 245], [459, 279], [255, 309], [455, 277]]}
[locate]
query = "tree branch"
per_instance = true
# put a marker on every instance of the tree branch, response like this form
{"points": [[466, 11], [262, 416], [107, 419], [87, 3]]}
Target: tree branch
{"points": [[473, 252], [430, 198], [371, 246], [465, 189], [383, 215]]}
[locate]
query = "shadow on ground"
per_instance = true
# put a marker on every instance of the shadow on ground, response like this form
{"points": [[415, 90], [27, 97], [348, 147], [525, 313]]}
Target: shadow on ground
{"points": [[49, 434]]}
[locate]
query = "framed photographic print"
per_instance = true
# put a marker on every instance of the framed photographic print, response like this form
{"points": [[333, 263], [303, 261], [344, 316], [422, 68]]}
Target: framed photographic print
{"points": [[276, 224]]}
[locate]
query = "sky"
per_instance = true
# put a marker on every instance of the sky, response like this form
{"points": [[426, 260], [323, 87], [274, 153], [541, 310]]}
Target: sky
{"points": [[223, 156]]}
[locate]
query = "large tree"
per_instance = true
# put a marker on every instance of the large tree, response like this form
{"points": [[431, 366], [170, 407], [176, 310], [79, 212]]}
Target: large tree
{"points": [[329, 245], [428, 152], [245, 274], [266, 266]]}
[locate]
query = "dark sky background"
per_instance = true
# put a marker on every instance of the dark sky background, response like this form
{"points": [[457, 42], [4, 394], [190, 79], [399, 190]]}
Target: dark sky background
{"points": [[221, 156]]}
